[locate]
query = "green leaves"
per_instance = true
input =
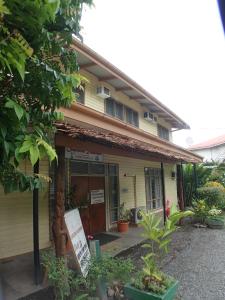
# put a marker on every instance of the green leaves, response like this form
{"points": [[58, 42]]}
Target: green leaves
{"points": [[37, 149], [39, 73], [3, 8], [158, 237], [20, 112]]}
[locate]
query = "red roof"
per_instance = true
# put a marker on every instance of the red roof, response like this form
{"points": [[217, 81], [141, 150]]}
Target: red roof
{"points": [[209, 143]]}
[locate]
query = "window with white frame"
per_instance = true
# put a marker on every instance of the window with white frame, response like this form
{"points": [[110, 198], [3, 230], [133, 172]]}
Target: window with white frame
{"points": [[153, 186]]}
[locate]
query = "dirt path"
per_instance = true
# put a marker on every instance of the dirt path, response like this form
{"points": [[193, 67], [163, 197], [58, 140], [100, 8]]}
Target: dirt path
{"points": [[197, 260]]}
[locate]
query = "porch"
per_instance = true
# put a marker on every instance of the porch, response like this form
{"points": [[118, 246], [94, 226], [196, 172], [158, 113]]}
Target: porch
{"points": [[17, 274]]}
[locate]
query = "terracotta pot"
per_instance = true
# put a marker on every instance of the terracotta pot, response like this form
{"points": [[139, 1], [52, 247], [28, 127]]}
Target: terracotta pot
{"points": [[122, 226]]}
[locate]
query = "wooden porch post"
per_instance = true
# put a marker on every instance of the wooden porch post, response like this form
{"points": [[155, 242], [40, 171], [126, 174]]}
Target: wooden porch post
{"points": [[180, 192], [37, 268], [59, 231], [183, 188], [163, 192]]}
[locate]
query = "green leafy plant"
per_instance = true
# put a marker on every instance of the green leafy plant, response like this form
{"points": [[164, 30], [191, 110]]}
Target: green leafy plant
{"points": [[158, 239], [202, 176], [213, 196], [124, 214], [201, 210], [38, 75], [115, 272], [59, 276]]}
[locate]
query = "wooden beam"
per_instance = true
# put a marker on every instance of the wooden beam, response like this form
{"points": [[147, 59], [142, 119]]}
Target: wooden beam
{"points": [[123, 88], [105, 78], [136, 97], [87, 65], [59, 229]]}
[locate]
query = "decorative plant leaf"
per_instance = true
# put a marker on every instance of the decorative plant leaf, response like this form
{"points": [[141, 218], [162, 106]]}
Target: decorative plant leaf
{"points": [[34, 154]]}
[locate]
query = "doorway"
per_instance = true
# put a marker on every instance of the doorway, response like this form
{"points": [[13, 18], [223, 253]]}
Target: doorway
{"points": [[94, 189], [92, 214]]}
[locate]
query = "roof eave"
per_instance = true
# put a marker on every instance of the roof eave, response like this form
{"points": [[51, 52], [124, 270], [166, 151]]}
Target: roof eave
{"points": [[102, 62]]}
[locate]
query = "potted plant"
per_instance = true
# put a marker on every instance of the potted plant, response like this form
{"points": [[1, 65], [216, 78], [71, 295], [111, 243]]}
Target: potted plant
{"points": [[124, 219], [150, 282], [214, 219]]}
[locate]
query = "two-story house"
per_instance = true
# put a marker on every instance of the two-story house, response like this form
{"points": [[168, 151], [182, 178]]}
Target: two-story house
{"points": [[117, 143]]}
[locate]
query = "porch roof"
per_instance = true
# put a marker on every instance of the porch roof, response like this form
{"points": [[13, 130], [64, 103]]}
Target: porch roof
{"points": [[119, 141]]}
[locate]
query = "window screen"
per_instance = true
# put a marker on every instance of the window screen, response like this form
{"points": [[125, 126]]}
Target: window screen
{"points": [[109, 106], [120, 111], [79, 167], [163, 132], [96, 169]]}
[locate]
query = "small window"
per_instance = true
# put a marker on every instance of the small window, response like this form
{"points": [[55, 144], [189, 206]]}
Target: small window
{"points": [[119, 110], [109, 106], [131, 116], [163, 132], [135, 118], [80, 94], [79, 167], [96, 169]]}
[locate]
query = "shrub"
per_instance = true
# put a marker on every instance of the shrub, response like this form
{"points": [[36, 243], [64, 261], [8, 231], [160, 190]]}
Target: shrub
{"points": [[201, 210], [213, 196], [59, 275], [115, 272], [215, 184]]}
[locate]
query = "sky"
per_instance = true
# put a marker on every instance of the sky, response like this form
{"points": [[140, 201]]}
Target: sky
{"points": [[175, 49]]}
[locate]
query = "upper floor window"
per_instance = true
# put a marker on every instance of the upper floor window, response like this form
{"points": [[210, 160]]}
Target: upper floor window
{"points": [[163, 132], [80, 94], [121, 112]]}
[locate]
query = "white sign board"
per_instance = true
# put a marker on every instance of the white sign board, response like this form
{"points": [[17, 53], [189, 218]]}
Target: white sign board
{"points": [[72, 154], [78, 239], [97, 196]]}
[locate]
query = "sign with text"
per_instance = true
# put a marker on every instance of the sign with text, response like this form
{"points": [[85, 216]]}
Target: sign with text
{"points": [[72, 154], [97, 196], [78, 239]]}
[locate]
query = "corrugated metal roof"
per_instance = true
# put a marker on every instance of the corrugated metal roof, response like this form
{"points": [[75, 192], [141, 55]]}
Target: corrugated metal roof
{"points": [[111, 139]]}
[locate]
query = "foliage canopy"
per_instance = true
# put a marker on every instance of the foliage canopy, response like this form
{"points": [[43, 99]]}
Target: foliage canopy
{"points": [[38, 75]]}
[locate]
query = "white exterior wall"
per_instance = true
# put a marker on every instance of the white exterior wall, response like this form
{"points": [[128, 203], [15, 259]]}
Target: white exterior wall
{"points": [[212, 154]]}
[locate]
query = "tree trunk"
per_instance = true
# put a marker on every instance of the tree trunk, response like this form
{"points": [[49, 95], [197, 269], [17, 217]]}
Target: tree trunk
{"points": [[59, 229]]}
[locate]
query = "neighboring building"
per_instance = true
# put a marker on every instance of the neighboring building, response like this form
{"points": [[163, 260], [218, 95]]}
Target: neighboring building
{"points": [[118, 149], [211, 150]]}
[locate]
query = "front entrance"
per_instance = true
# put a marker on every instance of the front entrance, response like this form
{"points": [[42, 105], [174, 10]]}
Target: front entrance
{"points": [[92, 214]]}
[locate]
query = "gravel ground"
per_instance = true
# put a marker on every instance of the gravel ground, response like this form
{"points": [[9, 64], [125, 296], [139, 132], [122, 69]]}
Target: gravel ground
{"points": [[196, 259]]}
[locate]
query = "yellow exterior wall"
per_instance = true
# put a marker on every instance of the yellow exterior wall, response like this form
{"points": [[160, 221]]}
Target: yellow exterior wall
{"points": [[95, 102], [170, 184], [135, 167], [16, 231]]}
